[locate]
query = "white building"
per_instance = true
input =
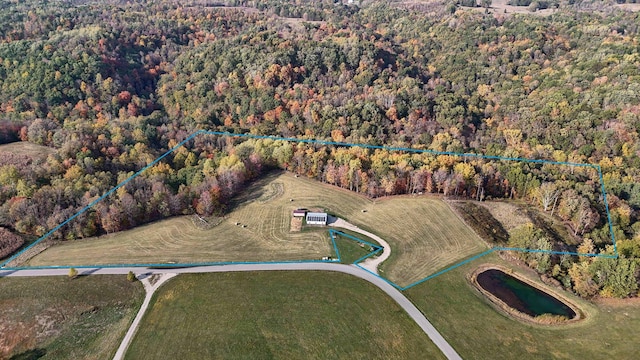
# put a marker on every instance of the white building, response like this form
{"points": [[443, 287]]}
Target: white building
{"points": [[314, 218]]}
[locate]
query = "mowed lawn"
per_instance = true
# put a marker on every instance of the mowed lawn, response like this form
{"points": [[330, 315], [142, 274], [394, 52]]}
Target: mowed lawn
{"points": [[425, 235], [63, 318], [265, 209], [477, 331], [350, 249], [277, 315]]}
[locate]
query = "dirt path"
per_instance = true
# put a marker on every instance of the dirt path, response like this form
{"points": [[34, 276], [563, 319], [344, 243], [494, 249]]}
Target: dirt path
{"points": [[151, 284], [370, 264]]}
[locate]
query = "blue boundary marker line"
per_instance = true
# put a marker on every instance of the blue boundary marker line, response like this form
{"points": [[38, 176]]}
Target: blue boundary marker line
{"points": [[381, 277], [553, 252], [335, 246], [330, 143], [392, 148], [450, 268], [367, 256], [376, 248], [166, 265], [434, 152], [94, 202]]}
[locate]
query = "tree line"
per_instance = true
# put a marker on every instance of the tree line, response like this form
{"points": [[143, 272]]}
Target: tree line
{"points": [[113, 85]]}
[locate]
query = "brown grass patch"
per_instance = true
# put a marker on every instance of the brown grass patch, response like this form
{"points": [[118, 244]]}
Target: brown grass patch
{"points": [[498, 8], [481, 221], [508, 214], [296, 224], [628, 7], [617, 302], [84, 318], [36, 152]]}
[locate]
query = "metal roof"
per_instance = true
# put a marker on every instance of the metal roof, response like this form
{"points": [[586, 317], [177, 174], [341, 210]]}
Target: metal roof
{"points": [[316, 214]]}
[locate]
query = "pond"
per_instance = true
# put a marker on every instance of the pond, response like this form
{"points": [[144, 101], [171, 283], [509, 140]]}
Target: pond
{"points": [[522, 296]]}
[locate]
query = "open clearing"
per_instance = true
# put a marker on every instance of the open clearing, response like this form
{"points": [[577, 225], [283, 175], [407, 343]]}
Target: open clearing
{"points": [[513, 214], [28, 149], [477, 331], [263, 213], [501, 7], [277, 315], [61, 318], [508, 214], [425, 235]]}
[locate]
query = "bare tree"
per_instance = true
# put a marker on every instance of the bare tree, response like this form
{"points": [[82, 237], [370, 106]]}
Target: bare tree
{"points": [[585, 218], [439, 178], [547, 194], [417, 180]]}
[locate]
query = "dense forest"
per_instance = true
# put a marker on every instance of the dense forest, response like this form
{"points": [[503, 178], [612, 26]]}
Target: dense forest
{"points": [[112, 85]]}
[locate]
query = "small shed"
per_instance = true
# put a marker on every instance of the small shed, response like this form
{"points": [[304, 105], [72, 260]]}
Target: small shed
{"points": [[316, 218], [299, 213]]}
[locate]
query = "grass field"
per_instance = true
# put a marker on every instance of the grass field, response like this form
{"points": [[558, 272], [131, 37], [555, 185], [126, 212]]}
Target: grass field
{"points": [[350, 250], [425, 235], [61, 318], [277, 315], [265, 209], [29, 149], [477, 331]]}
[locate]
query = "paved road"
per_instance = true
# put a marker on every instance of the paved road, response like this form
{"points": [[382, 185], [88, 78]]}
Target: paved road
{"points": [[394, 293], [370, 264]]}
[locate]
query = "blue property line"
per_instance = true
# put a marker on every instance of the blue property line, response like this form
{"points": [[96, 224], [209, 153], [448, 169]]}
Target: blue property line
{"points": [[166, 265], [385, 279], [449, 268], [392, 148], [356, 239], [376, 248], [94, 202], [553, 252], [508, 249], [367, 256], [335, 246], [434, 152], [333, 143]]}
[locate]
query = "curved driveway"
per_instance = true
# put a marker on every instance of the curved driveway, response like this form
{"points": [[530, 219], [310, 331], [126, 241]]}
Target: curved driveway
{"points": [[370, 264], [394, 293]]}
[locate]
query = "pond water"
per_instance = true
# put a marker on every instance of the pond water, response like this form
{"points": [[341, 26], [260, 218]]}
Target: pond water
{"points": [[522, 296]]}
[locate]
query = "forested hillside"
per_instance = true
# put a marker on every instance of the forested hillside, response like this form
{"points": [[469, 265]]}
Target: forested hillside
{"points": [[112, 85]]}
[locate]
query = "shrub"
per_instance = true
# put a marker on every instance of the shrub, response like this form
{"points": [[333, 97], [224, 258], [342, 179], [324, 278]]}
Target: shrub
{"points": [[9, 242]]}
